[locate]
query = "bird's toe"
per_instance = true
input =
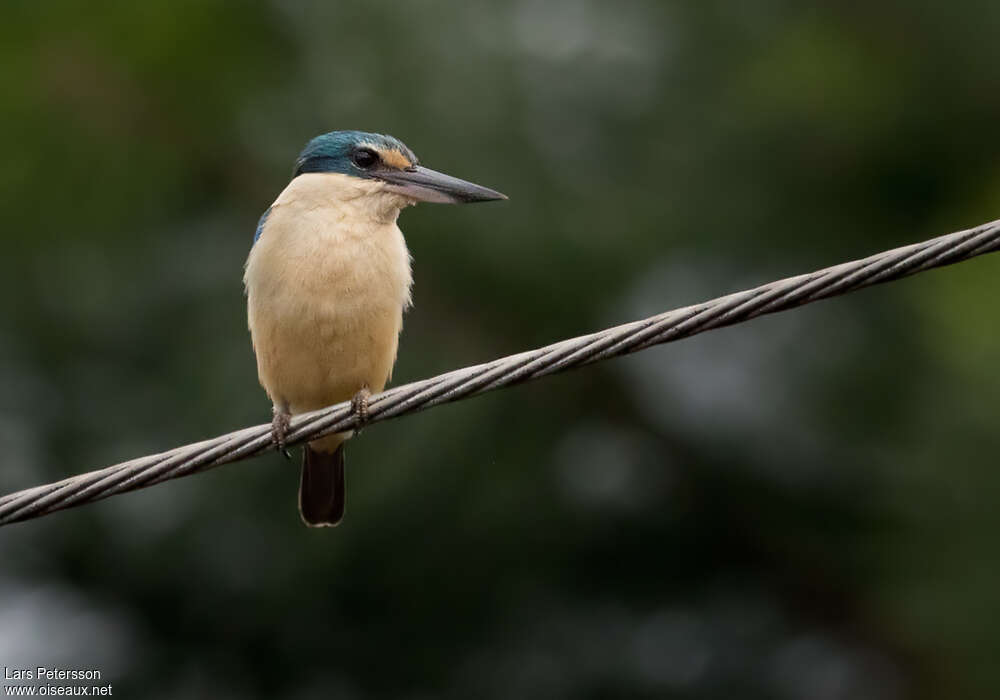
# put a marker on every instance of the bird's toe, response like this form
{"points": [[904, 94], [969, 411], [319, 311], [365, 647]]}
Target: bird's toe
{"points": [[359, 406], [279, 430]]}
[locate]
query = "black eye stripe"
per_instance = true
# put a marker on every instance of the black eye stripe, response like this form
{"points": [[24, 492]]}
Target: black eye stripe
{"points": [[365, 158]]}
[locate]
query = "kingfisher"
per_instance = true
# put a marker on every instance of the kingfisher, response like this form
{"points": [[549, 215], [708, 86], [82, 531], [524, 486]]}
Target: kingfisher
{"points": [[327, 281]]}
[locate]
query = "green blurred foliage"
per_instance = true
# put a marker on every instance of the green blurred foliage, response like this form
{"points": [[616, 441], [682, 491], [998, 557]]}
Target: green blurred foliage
{"points": [[802, 506]]}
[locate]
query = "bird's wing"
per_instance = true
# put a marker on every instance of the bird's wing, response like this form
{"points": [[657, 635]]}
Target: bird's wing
{"points": [[260, 224]]}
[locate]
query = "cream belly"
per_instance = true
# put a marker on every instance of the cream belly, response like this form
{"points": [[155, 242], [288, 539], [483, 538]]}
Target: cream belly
{"points": [[327, 284]]}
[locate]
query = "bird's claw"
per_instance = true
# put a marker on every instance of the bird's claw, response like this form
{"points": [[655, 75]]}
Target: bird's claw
{"points": [[359, 407], [279, 429]]}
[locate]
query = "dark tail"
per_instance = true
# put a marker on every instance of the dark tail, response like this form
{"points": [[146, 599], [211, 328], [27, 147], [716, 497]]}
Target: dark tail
{"points": [[321, 492]]}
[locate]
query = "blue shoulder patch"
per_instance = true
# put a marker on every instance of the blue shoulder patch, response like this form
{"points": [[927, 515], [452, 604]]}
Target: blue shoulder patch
{"points": [[260, 225]]}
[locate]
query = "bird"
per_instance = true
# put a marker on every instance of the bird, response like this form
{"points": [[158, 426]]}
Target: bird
{"points": [[327, 281]]}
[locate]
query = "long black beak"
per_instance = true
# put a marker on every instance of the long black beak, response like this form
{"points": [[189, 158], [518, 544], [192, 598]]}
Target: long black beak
{"points": [[428, 185]]}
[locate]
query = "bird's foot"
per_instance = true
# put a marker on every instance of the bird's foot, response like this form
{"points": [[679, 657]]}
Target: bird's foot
{"points": [[279, 429], [359, 407]]}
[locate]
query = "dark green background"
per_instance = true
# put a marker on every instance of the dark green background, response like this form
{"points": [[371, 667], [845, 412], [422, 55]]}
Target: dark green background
{"points": [[804, 506]]}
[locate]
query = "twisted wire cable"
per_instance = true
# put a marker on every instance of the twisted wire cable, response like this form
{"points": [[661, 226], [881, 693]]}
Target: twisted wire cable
{"points": [[514, 369]]}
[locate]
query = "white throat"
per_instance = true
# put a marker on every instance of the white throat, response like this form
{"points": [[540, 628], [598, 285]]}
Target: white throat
{"points": [[358, 200]]}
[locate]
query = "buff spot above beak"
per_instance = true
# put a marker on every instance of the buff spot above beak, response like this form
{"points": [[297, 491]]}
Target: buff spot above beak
{"points": [[394, 158]]}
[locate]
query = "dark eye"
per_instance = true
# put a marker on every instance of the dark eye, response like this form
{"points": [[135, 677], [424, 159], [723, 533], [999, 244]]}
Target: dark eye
{"points": [[364, 158]]}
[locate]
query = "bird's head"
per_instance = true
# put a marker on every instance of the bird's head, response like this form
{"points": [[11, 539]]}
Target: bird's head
{"points": [[386, 159]]}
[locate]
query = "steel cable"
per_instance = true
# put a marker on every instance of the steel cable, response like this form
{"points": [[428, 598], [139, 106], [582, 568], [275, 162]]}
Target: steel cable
{"points": [[469, 381]]}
